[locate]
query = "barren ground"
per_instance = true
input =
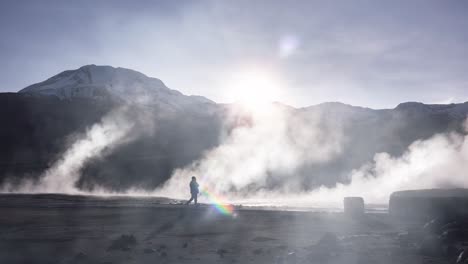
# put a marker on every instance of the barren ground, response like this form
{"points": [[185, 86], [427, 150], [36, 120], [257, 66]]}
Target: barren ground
{"points": [[56, 229]]}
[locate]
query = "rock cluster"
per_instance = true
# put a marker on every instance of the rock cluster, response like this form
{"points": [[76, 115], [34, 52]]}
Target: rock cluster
{"points": [[440, 238]]}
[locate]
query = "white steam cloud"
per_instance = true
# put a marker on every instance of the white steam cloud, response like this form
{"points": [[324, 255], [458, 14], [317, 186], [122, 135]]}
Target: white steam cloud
{"points": [[260, 145], [279, 143], [114, 129], [270, 141], [438, 162]]}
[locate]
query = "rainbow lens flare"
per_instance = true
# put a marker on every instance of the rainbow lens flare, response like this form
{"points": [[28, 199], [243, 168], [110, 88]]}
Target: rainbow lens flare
{"points": [[217, 201]]}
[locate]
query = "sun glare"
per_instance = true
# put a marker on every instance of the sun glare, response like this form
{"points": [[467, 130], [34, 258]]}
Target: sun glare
{"points": [[254, 89]]}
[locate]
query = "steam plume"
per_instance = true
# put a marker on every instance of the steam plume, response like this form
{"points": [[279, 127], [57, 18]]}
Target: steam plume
{"points": [[114, 129], [250, 154], [269, 142]]}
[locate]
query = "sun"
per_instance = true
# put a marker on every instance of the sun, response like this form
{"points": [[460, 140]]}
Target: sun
{"points": [[253, 88]]}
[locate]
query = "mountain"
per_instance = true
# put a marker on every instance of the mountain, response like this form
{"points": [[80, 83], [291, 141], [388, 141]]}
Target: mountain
{"points": [[98, 82], [34, 134]]}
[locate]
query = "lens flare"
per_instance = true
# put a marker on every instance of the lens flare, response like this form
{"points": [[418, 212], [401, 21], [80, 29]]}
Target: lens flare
{"points": [[254, 87], [217, 202]]}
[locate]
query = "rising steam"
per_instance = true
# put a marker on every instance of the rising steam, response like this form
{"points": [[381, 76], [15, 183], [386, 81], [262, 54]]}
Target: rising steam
{"points": [[279, 143], [260, 147], [116, 128], [439, 162], [273, 142]]}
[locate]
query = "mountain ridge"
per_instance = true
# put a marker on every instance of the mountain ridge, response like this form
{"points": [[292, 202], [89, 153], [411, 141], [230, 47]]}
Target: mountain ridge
{"points": [[87, 83]]}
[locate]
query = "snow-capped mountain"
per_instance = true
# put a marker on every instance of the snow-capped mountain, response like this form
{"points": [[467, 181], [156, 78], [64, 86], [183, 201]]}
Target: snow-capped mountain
{"points": [[92, 81]]}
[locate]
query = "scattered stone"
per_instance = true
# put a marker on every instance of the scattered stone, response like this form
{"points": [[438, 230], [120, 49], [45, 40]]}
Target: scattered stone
{"points": [[318, 255], [328, 246], [433, 227], [329, 241], [162, 248], [149, 250], [451, 251], [257, 251], [221, 252], [431, 246], [123, 243], [463, 257], [291, 258], [282, 247], [403, 239], [262, 239], [452, 225], [454, 235], [80, 256]]}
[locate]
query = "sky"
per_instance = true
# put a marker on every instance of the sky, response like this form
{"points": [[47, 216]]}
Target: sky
{"points": [[368, 53]]}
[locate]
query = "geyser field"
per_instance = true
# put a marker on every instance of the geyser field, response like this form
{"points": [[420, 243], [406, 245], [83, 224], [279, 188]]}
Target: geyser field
{"points": [[85, 229], [134, 136], [236, 132], [105, 179]]}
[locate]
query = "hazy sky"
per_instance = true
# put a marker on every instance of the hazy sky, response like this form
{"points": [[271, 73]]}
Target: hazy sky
{"points": [[369, 53]]}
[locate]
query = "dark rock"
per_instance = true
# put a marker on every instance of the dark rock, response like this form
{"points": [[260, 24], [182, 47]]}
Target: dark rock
{"points": [[403, 239], [463, 257], [291, 258], [353, 206], [318, 255], [454, 235], [451, 225], [162, 248], [431, 246], [80, 256], [149, 251], [262, 239], [428, 204], [329, 245], [329, 241], [257, 251], [433, 227], [282, 247], [124, 243], [451, 251], [163, 254], [221, 252], [185, 245]]}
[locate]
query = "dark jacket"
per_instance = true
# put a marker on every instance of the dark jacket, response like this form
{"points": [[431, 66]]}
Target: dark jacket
{"points": [[194, 187]]}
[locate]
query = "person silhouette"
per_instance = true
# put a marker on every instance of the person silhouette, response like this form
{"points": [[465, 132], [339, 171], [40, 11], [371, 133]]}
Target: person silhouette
{"points": [[193, 190]]}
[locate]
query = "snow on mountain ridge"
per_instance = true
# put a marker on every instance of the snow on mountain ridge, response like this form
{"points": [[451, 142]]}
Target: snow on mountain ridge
{"points": [[92, 81]]}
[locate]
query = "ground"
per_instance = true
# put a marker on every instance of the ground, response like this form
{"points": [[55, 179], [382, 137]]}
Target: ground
{"points": [[76, 231]]}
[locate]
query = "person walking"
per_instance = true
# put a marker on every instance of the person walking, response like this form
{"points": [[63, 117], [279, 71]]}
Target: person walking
{"points": [[193, 190]]}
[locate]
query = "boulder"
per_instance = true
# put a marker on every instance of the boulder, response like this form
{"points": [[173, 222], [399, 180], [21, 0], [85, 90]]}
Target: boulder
{"points": [[353, 206], [434, 226], [454, 235], [444, 204], [463, 257]]}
